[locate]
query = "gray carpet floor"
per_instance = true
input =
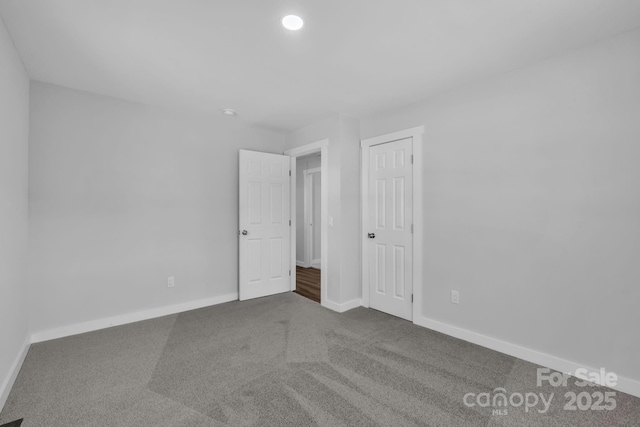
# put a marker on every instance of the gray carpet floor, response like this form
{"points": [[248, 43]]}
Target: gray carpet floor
{"points": [[280, 361]]}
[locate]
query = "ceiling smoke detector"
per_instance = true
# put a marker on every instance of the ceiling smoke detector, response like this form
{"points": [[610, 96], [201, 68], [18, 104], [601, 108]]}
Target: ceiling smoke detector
{"points": [[292, 22], [229, 112]]}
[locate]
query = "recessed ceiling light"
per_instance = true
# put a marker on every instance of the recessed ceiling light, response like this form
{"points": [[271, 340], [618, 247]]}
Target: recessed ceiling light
{"points": [[229, 112], [292, 22]]}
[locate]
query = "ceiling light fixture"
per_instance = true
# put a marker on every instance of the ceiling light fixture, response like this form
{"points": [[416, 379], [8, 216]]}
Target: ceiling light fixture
{"points": [[292, 22], [229, 112]]}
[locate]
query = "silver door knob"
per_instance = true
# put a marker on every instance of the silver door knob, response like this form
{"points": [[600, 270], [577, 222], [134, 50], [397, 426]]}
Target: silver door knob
{"points": [[245, 232], [372, 235]]}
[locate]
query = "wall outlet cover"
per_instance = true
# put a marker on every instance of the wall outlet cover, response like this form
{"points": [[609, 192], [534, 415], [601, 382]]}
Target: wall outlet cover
{"points": [[455, 297]]}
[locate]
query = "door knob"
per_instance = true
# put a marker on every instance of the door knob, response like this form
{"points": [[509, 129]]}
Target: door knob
{"points": [[245, 232], [372, 235]]}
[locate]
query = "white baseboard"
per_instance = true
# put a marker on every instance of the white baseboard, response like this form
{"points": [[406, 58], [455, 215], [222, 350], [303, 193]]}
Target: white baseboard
{"points": [[302, 264], [341, 308], [629, 386], [7, 383], [94, 325], [316, 263], [625, 385]]}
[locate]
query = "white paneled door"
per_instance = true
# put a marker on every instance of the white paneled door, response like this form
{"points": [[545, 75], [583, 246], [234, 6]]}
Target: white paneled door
{"points": [[264, 224], [390, 220]]}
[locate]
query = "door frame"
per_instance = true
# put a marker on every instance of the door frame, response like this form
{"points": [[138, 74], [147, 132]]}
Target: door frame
{"points": [[416, 135], [321, 147], [308, 213]]}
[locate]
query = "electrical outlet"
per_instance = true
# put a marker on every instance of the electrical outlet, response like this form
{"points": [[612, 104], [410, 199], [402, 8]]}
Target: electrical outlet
{"points": [[455, 297], [171, 281]]}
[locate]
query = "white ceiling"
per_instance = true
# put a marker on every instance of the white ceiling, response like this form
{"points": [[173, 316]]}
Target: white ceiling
{"points": [[356, 57]]}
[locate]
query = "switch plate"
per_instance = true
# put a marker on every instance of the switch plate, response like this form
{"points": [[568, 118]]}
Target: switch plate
{"points": [[171, 281]]}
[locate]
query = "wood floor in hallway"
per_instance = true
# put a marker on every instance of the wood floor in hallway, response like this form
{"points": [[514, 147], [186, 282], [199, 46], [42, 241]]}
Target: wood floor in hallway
{"points": [[308, 283]]}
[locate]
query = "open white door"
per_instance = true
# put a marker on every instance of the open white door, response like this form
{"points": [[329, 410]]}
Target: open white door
{"points": [[264, 224]]}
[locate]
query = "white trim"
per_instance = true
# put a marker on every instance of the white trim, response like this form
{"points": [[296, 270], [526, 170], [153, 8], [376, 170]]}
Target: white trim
{"points": [[294, 221], [316, 263], [416, 136], [94, 325], [625, 385], [301, 264], [310, 148], [629, 386], [8, 382], [418, 218], [314, 147], [390, 137], [364, 200], [324, 224], [345, 306]]}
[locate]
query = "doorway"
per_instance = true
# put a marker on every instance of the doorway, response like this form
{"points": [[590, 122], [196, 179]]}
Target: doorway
{"points": [[310, 215], [308, 226], [267, 238]]}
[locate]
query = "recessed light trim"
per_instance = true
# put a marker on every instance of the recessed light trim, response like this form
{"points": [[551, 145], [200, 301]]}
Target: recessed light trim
{"points": [[229, 112], [292, 22]]}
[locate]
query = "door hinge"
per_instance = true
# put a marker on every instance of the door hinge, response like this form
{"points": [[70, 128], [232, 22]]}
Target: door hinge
{"points": [[290, 274], [289, 173], [412, 159], [289, 223], [411, 297]]}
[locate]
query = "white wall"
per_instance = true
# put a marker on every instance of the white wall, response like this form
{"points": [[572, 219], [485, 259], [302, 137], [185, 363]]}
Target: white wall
{"points": [[532, 204], [124, 195], [14, 136], [350, 266]]}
